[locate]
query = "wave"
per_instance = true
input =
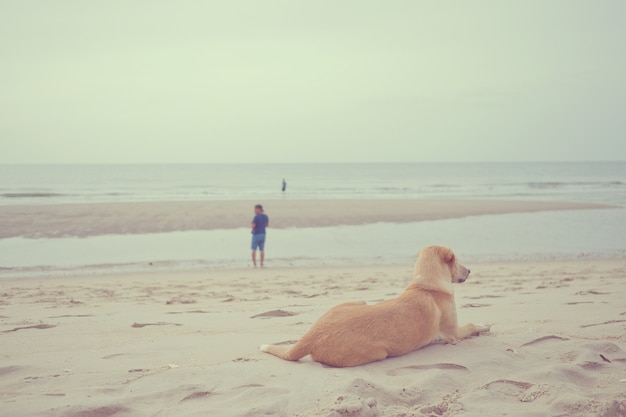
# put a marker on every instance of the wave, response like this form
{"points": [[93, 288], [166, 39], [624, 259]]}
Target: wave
{"points": [[99, 184], [33, 195], [552, 184]]}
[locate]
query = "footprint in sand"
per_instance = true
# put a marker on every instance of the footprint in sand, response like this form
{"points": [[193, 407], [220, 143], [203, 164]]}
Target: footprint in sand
{"points": [[485, 296], [9, 369], [517, 389], [603, 323], [351, 405], [115, 355], [598, 354], [435, 410], [196, 395], [592, 292], [37, 326], [569, 374], [580, 364], [180, 300], [543, 339], [189, 312], [161, 323], [442, 366], [475, 305], [106, 411], [274, 313], [507, 386]]}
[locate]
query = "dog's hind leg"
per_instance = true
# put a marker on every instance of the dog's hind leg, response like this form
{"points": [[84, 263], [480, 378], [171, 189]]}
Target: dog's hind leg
{"points": [[288, 353]]}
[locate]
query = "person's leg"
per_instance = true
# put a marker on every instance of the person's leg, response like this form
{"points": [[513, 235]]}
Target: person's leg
{"points": [[254, 246], [254, 258], [261, 244]]}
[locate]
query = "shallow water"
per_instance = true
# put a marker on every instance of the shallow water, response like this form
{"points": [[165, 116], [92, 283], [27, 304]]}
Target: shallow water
{"points": [[597, 233], [547, 235]]}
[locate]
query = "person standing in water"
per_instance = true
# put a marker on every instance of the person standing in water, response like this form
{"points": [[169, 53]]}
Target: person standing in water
{"points": [[284, 185], [259, 223]]}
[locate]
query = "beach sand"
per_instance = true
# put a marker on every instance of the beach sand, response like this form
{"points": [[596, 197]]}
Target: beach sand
{"points": [[186, 344]]}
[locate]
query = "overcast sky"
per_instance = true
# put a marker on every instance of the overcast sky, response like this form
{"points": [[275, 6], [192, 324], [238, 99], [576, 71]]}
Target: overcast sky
{"points": [[134, 81]]}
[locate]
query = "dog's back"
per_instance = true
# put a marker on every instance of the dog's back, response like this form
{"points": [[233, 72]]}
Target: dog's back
{"points": [[354, 333]]}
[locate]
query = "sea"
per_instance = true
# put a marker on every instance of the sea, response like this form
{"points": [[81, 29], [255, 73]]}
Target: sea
{"points": [[593, 233], [603, 182]]}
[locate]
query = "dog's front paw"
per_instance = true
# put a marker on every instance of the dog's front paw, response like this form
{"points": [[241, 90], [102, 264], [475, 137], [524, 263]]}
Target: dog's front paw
{"points": [[483, 328]]}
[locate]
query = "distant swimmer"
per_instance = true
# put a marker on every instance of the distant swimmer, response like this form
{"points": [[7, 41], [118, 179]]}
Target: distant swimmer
{"points": [[284, 185]]}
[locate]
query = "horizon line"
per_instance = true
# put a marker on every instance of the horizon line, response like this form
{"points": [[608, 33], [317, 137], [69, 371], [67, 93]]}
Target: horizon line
{"points": [[325, 162]]}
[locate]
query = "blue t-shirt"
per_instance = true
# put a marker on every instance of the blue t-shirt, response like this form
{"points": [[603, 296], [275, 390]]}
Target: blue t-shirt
{"points": [[261, 221]]}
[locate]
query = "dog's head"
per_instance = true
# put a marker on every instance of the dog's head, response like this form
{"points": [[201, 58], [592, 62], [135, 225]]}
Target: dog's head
{"points": [[439, 262]]}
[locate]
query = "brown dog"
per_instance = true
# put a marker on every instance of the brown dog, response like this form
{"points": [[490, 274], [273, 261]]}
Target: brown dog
{"points": [[355, 333]]}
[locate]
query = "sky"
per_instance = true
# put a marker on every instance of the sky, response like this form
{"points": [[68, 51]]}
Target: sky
{"points": [[191, 81]]}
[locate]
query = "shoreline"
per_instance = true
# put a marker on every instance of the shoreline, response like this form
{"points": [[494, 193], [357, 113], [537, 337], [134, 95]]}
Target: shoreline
{"points": [[86, 220], [85, 273]]}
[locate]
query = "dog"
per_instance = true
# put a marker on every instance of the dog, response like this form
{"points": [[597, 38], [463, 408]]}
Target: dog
{"points": [[355, 333]]}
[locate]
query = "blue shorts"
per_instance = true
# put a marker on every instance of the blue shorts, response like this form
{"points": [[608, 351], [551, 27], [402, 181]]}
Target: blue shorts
{"points": [[258, 241]]}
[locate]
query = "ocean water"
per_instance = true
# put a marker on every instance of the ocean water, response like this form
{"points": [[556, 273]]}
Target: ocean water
{"points": [[603, 182], [579, 234]]}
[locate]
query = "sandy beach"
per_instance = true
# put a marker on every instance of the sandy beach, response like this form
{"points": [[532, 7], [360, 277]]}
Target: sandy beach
{"points": [[137, 138], [186, 344], [105, 343]]}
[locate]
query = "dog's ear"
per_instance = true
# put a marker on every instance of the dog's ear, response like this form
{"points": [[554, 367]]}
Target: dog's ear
{"points": [[446, 254]]}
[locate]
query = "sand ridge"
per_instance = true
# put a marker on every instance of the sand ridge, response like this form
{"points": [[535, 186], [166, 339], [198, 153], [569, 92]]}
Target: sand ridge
{"points": [[82, 220], [185, 344]]}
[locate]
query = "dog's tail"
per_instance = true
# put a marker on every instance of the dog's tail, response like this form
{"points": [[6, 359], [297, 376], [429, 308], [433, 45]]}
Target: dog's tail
{"points": [[288, 353]]}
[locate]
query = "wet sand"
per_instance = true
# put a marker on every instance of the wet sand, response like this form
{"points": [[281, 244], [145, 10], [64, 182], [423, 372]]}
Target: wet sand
{"points": [[82, 220]]}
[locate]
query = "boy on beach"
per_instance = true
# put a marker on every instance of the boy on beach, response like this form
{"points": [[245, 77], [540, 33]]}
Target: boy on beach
{"points": [[259, 223]]}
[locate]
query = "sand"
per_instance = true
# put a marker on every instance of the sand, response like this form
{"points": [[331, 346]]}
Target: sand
{"points": [[82, 220], [186, 343]]}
